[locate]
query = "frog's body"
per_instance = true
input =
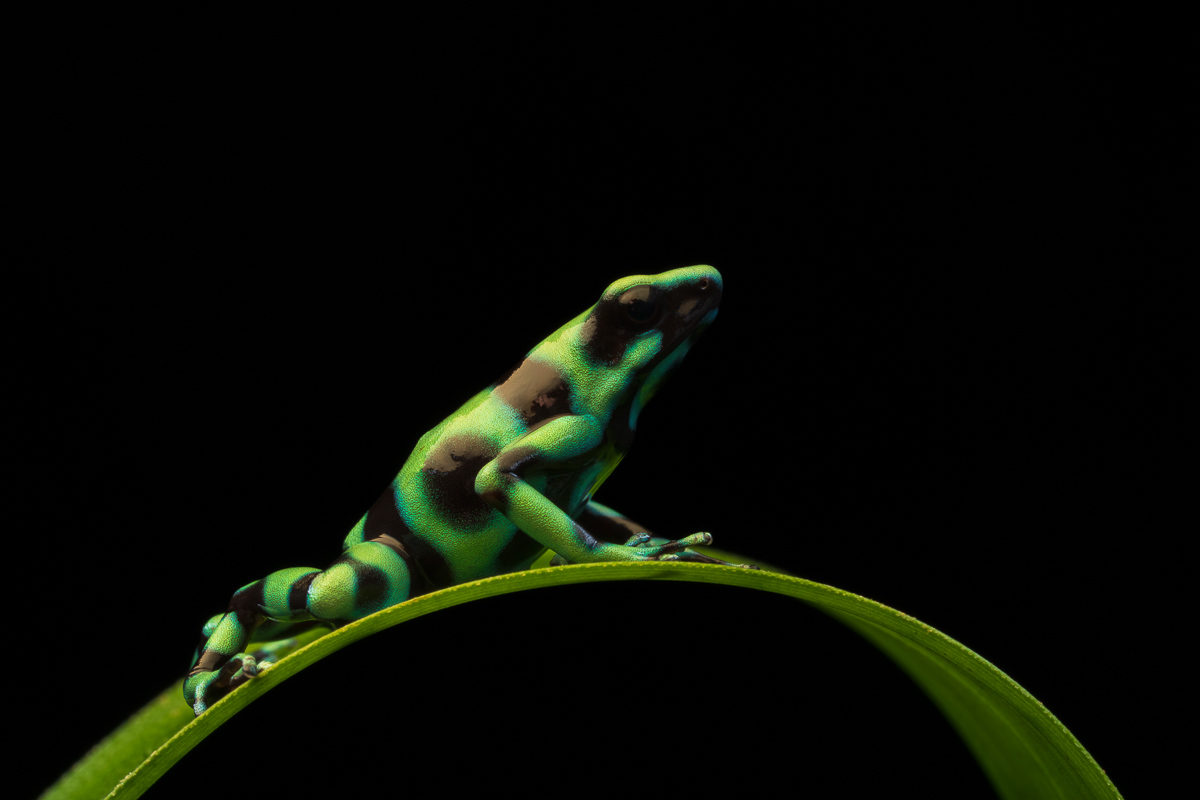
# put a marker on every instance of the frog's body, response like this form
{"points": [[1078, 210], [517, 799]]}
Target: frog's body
{"points": [[509, 475]]}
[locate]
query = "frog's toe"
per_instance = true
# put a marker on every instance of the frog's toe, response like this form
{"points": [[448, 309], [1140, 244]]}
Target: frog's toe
{"points": [[250, 667], [201, 692], [701, 538], [209, 687], [679, 546], [642, 547]]}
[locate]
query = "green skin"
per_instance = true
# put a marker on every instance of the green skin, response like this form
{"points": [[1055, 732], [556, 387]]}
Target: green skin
{"points": [[507, 476]]}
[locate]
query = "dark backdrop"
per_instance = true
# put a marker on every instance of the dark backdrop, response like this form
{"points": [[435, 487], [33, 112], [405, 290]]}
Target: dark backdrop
{"points": [[250, 280]]}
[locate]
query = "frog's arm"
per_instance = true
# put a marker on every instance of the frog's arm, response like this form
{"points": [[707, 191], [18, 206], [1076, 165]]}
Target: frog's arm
{"points": [[368, 576], [503, 484]]}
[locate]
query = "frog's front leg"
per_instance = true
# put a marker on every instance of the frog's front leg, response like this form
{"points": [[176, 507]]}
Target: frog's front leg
{"points": [[502, 484], [368, 576]]}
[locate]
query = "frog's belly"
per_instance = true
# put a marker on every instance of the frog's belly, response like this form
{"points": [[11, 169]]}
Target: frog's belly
{"points": [[473, 539]]}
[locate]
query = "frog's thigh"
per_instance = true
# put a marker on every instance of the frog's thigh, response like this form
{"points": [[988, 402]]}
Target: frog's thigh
{"points": [[367, 577]]}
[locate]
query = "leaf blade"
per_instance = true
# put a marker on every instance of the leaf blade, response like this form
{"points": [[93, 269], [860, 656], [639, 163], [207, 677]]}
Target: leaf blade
{"points": [[1023, 748]]}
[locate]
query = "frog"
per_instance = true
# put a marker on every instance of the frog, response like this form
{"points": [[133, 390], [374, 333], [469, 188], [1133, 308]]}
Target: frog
{"points": [[507, 477]]}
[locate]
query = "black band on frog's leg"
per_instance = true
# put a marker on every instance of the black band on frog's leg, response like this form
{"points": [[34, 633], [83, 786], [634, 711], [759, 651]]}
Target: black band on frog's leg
{"points": [[248, 609], [427, 567]]}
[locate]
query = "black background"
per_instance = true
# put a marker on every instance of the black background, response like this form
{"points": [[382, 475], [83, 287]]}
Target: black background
{"points": [[250, 276]]}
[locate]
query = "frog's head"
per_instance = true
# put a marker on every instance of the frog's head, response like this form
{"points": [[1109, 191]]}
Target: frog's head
{"points": [[643, 325]]}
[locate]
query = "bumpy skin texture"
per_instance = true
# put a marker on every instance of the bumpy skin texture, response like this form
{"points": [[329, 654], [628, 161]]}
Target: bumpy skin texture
{"points": [[509, 475]]}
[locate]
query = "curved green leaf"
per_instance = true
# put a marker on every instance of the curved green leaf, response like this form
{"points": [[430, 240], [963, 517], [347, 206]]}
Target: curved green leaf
{"points": [[1023, 748]]}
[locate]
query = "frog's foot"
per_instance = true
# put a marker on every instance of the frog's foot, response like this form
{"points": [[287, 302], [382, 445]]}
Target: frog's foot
{"points": [[207, 688], [652, 548], [676, 550]]}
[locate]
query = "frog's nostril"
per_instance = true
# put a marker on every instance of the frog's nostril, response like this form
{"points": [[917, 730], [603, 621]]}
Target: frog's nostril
{"points": [[705, 284]]}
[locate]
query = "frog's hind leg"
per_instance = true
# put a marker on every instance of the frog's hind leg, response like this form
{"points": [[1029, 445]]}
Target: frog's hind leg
{"points": [[369, 576], [610, 525]]}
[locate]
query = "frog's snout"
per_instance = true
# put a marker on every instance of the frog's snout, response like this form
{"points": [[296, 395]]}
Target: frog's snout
{"points": [[702, 296]]}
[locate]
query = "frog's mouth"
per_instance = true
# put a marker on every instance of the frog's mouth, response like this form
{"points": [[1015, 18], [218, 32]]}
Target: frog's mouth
{"points": [[695, 309]]}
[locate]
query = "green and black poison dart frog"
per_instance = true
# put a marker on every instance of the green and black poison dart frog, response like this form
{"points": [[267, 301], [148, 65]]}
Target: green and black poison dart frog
{"points": [[507, 476]]}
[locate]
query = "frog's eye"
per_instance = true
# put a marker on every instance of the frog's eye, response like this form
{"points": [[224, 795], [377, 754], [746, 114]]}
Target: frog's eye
{"points": [[640, 305]]}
